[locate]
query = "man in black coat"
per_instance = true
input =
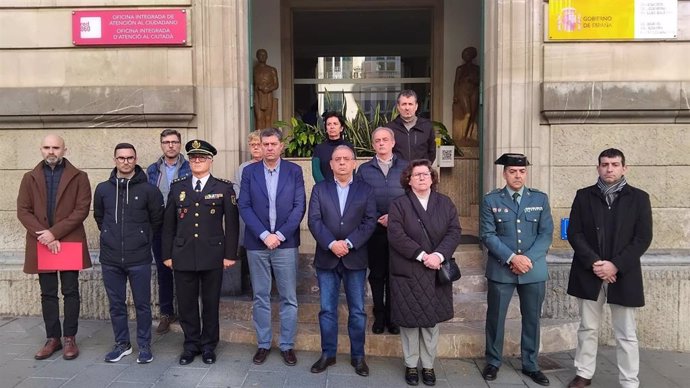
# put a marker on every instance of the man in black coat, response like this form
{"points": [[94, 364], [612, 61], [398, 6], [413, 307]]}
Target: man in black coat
{"points": [[128, 211], [342, 217], [610, 229], [415, 137], [200, 232]]}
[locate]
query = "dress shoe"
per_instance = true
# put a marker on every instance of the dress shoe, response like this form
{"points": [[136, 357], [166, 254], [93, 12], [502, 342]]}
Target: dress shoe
{"points": [[71, 351], [428, 376], [490, 372], [378, 326], [393, 329], [208, 357], [187, 357], [51, 346], [411, 376], [289, 357], [322, 363], [579, 382], [537, 376], [164, 323], [260, 356], [361, 367]]}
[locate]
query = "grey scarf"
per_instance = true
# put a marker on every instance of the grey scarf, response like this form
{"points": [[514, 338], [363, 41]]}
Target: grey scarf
{"points": [[611, 192]]}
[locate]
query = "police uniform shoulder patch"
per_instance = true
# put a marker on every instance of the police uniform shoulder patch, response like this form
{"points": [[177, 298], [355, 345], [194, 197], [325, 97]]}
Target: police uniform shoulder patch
{"points": [[494, 191], [224, 180], [180, 179], [534, 190]]}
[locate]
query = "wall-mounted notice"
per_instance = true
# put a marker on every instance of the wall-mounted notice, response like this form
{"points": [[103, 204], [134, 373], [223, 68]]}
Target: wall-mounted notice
{"points": [[129, 27], [612, 20]]}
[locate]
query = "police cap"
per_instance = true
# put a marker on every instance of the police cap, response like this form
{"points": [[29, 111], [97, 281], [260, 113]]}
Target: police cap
{"points": [[512, 160], [200, 147]]}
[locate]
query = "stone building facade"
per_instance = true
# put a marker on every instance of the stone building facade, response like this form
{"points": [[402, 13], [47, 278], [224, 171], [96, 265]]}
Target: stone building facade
{"points": [[558, 102]]}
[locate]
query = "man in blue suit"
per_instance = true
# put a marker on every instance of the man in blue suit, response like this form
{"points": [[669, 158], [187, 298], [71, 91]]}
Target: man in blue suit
{"points": [[272, 205], [342, 217], [517, 228]]}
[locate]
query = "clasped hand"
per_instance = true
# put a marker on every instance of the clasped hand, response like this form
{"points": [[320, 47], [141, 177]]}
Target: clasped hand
{"points": [[339, 248], [520, 264], [431, 261], [605, 270]]}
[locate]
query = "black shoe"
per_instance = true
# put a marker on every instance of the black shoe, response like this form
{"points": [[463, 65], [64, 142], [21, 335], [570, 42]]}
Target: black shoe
{"points": [[187, 357], [393, 329], [323, 363], [490, 372], [260, 356], [378, 326], [428, 376], [208, 357], [537, 376], [361, 367], [411, 376]]}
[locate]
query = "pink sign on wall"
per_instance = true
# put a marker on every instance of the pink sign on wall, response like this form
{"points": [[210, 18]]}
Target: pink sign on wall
{"points": [[129, 27]]}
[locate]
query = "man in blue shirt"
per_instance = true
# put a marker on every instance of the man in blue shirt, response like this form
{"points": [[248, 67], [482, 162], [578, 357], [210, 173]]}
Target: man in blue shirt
{"points": [[272, 205]]}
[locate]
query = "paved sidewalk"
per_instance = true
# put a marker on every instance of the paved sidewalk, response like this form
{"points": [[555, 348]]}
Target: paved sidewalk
{"points": [[21, 337]]}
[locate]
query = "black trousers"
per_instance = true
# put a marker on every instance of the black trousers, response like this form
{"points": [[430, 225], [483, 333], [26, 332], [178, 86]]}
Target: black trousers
{"points": [[378, 274], [50, 304], [201, 332]]}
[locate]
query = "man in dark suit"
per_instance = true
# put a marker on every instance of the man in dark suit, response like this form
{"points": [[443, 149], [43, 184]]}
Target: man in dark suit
{"points": [[272, 205], [517, 229], [610, 229], [200, 230], [342, 217]]}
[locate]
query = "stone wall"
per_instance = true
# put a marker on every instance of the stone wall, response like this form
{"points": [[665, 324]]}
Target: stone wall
{"points": [[664, 321]]}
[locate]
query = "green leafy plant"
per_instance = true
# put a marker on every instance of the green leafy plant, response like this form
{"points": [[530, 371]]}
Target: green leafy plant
{"points": [[302, 139]]}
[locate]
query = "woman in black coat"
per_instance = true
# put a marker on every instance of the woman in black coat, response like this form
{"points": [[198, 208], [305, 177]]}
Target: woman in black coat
{"points": [[334, 123], [418, 301]]}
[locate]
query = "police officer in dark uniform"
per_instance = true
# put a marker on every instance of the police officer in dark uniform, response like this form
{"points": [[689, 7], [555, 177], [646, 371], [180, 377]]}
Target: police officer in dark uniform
{"points": [[517, 228], [199, 240]]}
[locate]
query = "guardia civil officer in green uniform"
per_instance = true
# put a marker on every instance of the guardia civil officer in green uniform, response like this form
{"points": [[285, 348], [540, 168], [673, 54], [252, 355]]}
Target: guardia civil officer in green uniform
{"points": [[199, 240], [517, 228]]}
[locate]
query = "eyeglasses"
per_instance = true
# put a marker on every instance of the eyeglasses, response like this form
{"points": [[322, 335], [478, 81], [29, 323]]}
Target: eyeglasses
{"points": [[419, 175], [199, 158], [128, 159], [170, 142]]}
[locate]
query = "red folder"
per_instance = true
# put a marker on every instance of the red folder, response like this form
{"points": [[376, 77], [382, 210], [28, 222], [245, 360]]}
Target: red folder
{"points": [[68, 259]]}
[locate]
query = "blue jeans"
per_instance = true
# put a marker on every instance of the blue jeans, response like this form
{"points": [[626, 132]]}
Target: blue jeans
{"points": [[165, 279], [115, 281], [284, 265], [329, 284]]}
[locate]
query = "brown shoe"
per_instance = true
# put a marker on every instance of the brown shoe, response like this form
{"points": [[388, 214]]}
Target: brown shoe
{"points": [[71, 351], [579, 382], [260, 356], [289, 357], [51, 346], [164, 323]]}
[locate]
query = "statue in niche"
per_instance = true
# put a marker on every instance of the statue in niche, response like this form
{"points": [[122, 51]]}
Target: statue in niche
{"points": [[466, 100], [265, 82]]}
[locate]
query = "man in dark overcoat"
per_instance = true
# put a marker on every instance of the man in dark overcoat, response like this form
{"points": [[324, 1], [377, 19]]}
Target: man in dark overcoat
{"points": [[517, 229], [200, 230], [610, 228], [52, 204]]}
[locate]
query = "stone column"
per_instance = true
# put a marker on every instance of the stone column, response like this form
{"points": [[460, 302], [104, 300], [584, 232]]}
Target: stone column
{"points": [[221, 52], [512, 77]]}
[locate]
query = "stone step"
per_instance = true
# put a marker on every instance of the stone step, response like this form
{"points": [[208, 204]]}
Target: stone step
{"points": [[468, 307], [472, 280], [457, 339]]}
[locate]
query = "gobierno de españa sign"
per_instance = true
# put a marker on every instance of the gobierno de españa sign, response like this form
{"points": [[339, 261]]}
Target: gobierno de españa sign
{"points": [[129, 27], [612, 19]]}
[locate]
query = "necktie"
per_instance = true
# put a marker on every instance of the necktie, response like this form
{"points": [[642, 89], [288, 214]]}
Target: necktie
{"points": [[197, 188], [515, 198]]}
